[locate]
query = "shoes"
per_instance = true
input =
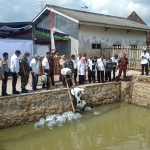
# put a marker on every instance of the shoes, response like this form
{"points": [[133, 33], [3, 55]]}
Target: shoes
{"points": [[6, 94], [24, 90], [142, 73], [16, 92]]}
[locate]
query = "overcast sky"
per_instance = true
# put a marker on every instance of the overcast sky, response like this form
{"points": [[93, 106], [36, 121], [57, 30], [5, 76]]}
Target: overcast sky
{"points": [[26, 10]]}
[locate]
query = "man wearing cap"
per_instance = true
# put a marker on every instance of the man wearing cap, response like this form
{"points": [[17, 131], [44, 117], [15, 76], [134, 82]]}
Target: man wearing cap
{"points": [[45, 69], [24, 71], [144, 61], [77, 95], [4, 70], [34, 71], [14, 68]]}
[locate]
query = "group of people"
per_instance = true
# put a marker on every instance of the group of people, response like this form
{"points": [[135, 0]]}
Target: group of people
{"points": [[69, 68]]}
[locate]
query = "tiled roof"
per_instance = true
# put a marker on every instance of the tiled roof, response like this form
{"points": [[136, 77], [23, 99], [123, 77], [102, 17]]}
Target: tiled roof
{"points": [[135, 17], [106, 20]]}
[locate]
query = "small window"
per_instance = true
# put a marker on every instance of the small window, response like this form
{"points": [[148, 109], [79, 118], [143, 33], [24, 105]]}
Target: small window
{"points": [[133, 46], [96, 46]]}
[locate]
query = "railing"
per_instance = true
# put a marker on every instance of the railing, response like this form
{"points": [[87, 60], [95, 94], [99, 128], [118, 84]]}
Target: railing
{"points": [[133, 54]]}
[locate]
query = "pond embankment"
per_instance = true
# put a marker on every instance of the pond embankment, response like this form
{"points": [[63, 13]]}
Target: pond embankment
{"points": [[24, 108]]}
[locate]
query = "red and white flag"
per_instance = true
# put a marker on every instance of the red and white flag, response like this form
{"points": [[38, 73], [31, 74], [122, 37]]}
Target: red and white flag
{"points": [[53, 49]]}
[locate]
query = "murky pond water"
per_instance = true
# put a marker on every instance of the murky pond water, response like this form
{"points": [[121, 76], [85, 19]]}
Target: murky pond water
{"points": [[124, 128]]}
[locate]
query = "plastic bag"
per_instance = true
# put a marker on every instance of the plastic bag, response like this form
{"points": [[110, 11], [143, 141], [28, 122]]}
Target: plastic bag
{"points": [[39, 124], [42, 120], [87, 109], [60, 121], [44, 78], [81, 104], [78, 115]]}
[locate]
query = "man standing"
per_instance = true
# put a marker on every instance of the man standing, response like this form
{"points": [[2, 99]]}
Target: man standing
{"points": [[34, 64], [24, 71], [101, 66], [4, 70], [123, 66], [74, 60], [45, 69], [115, 65], [51, 70], [14, 68], [89, 64], [144, 61]]}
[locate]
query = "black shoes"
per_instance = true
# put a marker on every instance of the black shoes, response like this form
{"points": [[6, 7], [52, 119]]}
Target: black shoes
{"points": [[16, 92], [24, 90], [5, 94]]}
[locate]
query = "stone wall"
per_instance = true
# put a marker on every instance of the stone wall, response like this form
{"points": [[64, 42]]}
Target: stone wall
{"points": [[24, 108]]}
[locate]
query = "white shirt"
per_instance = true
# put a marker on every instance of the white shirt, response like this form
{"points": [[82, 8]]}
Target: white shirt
{"points": [[100, 64], [14, 64], [89, 63], [65, 71], [144, 60], [77, 93], [34, 64], [45, 63], [114, 61], [75, 63]]}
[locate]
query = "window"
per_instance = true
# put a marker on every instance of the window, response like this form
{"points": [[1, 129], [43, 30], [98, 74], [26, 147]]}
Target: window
{"points": [[133, 46], [96, 46]]}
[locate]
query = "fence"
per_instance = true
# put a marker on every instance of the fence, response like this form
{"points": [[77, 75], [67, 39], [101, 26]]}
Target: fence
{"points": [[133, 54]]}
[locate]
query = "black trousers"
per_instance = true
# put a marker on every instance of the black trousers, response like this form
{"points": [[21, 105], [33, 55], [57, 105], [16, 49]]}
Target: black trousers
{"points": [[14, 82], [48, 81], [81, 79], [146, 68], [100, 75], [4, 84], [108, 75], [75, 75], [93, 76], [114, 73], [89, 75]]}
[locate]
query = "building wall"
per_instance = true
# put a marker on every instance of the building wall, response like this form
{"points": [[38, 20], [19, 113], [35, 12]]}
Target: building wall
{"points": [[95, 34], [63, 25]]}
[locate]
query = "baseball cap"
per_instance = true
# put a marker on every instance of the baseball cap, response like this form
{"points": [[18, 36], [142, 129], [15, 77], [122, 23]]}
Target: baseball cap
{"points": [[27, 53], [18, 52], [36, 56]]}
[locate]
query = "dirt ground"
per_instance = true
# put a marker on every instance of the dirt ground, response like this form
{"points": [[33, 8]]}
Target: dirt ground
{"points": [[29, 86]]}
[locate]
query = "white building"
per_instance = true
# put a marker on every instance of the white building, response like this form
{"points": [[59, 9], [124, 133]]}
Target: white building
{"points": [[89, 32]]}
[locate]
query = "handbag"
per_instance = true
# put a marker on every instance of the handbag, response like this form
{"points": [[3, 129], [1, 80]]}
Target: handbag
{"points": [[44, 78], [81, 104]]}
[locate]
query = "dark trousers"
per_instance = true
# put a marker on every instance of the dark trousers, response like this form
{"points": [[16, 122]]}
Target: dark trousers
{"points": [[34, 81], [93, 76], [48, 81], [4, 84], [114, 73], [108, 75], [14, 82], [120, 72], [100, 75], [89, 75], [75, 75], [64, 81], [81, 79], [52, 77], [145, 66]]}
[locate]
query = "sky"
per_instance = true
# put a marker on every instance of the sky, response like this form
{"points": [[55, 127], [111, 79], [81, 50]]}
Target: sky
{"points": [[26, 10]]}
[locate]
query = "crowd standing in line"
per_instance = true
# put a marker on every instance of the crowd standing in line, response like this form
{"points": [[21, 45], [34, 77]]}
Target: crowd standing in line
{"points": [[68, 69]]}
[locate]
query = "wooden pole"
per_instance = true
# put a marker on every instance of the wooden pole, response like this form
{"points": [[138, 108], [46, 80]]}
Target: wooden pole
{"points": [[71, 100]]}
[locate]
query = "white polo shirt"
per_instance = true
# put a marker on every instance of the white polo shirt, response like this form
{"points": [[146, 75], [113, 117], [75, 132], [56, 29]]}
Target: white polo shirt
{"points": [[45, 63], [14, 64], [65, 71], [76, 92], [34, 64], [75, 63], [89, 63], [100, 64], [144, 60]]}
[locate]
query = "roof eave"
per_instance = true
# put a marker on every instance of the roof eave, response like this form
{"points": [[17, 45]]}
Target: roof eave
{"points": [[112, 26]]}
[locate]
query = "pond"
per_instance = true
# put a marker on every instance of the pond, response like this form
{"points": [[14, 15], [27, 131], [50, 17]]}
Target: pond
{"points": [[123, 128]]}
